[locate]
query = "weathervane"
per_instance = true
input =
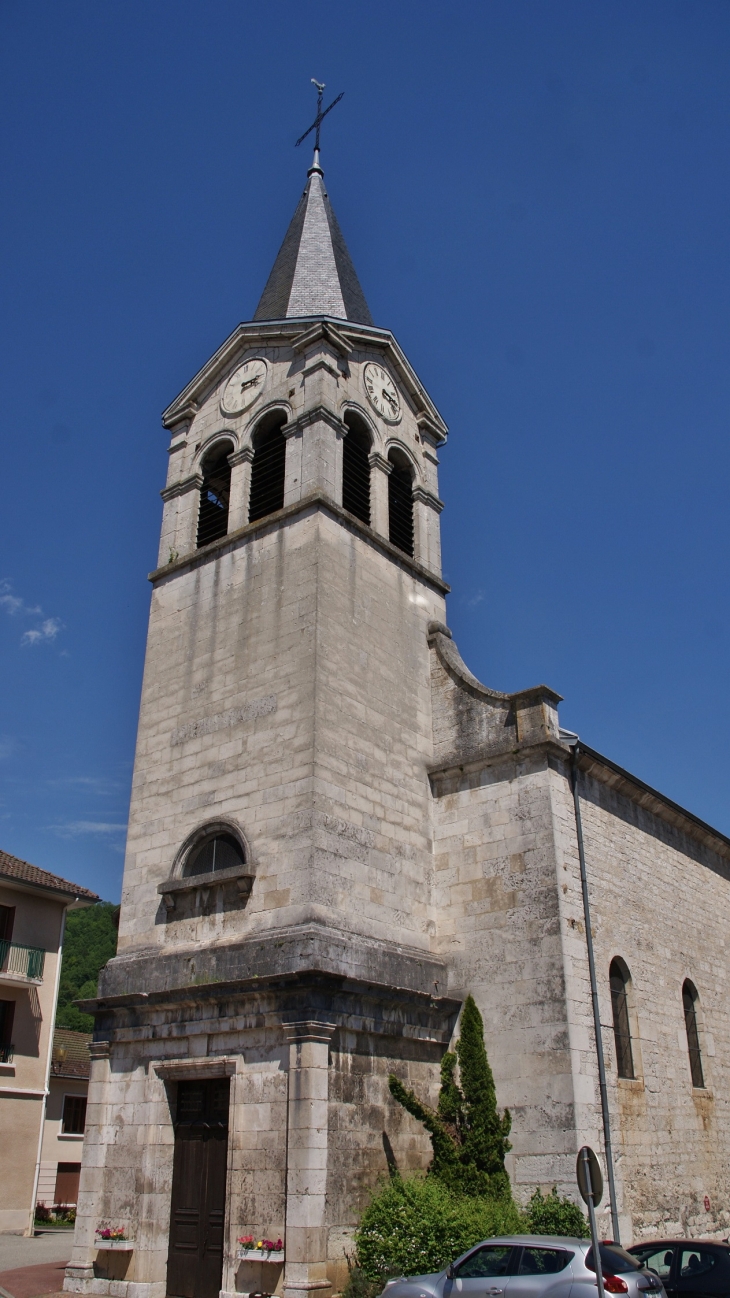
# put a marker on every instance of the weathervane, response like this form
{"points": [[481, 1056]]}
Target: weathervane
{"points": [[320, 115]]}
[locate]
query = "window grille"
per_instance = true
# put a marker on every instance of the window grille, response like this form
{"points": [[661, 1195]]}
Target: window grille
{"points": [[621, 1027], [214, 496], [267, 472], [689, 1001], [400, 507], [74, 1115], [221, 852], [356, 472]]}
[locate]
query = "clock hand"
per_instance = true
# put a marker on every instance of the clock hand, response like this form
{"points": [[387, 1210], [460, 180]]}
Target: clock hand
{"points": [[388, 397], [249, 383]]}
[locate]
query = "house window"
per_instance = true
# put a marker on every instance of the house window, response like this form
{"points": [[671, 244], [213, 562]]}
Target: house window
{"points": [[620, 978], [219, 852], [267, 469], [214, 495], [689, 1001], [67, 1183], [356, 469], [74, 1115], [7, 919], [400, 502], [7, 1014]]}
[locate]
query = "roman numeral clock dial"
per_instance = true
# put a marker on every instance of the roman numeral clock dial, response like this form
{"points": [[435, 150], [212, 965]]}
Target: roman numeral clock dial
{"points": [[382, 393], [243, 387]]}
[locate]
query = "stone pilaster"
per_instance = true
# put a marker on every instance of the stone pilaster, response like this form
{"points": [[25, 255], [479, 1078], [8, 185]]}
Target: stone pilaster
{"points": [[240, 462], [180, 518], [80, 1270], [426, 528], [306, 1232], [380, 469]]}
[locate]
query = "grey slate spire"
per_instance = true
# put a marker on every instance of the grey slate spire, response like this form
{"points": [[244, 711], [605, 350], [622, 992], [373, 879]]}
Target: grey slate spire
{"points": [[313, 273]]}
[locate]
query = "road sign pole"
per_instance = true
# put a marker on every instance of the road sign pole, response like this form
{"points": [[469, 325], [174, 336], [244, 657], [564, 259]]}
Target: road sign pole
{"points": [[592, 1219]]}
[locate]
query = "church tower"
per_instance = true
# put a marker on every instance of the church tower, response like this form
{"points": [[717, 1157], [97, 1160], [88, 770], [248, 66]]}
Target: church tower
{"points": [[275, 955]]}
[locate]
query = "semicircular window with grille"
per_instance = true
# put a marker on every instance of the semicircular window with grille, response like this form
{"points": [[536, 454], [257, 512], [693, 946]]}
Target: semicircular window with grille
{"points": [[219, 852]]}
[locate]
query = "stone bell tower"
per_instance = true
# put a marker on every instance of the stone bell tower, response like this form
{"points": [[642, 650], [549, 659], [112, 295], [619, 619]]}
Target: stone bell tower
{"points": [[275, 953]]}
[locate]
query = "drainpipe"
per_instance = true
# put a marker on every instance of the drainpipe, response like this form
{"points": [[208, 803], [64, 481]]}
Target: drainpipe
{"points": [[31, 1225], [594, 996]]}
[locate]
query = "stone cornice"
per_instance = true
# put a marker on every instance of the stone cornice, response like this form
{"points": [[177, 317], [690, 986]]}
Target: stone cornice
{"points": [[290, 333], [428, 498], [282, 517], [181, 488], [326, 331], [314, 415]]}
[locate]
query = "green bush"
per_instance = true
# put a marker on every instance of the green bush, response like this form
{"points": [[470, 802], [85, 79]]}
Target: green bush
{"points": [[419, 1225], [551, 1215]]}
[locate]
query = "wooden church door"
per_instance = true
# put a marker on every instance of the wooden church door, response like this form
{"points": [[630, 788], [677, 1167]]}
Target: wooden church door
{"points": [[198, 1205]]}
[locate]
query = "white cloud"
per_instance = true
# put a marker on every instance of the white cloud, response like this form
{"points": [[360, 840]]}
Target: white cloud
{"points": [[15, 605], [76, 828], [48, 630], [476, 599]]}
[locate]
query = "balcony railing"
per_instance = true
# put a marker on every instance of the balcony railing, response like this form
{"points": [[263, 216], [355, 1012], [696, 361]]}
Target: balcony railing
{"points": [[23, 961], [6, 1054]]}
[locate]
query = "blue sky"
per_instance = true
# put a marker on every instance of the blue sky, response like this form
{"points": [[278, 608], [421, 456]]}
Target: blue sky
{"points": [[536, 197]]}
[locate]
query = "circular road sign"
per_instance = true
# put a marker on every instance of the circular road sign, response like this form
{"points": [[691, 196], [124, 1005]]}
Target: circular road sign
{"points": [[596, 1179]]}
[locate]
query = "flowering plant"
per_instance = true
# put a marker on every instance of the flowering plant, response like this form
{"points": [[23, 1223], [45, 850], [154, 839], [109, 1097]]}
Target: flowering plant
{"points": [[114, 1233], [262, 1245]]}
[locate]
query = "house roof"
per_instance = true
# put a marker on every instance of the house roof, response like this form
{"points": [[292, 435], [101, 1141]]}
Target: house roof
{"points": [[11, 867], [70, 1057], [313, 273]]}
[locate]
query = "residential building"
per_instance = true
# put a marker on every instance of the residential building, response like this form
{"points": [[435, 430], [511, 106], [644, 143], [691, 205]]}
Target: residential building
{"points": [[33, 908], [63, 1133]]}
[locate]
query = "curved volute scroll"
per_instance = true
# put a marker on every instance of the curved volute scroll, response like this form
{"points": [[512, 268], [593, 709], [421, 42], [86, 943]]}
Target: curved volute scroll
{"points": [[472, 721]]}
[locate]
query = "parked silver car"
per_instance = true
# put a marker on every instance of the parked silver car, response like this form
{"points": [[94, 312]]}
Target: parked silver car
{"points": [[532, 1266]]}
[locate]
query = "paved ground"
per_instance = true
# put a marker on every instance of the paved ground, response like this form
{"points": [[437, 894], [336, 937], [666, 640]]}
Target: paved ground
{"points": [[30, 1267]]}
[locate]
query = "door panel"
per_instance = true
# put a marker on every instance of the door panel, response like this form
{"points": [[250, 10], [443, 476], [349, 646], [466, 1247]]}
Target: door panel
{"points": [[542, 1272], [700, 1272], [483, 1274], [198, 1201]]}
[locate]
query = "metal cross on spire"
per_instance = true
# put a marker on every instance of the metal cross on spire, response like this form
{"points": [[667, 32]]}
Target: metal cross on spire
{"points": [[320, 115]]}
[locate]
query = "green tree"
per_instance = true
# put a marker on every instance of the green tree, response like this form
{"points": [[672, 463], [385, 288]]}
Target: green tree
{"points": [[468, 1136], [89, 941]]}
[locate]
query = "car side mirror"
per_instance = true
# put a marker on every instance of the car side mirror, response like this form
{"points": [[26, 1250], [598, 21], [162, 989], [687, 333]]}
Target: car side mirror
{"points": [[450, 1273]]}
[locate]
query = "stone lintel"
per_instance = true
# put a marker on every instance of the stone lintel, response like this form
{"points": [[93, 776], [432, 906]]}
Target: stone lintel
{"points": [[183, 1070]]}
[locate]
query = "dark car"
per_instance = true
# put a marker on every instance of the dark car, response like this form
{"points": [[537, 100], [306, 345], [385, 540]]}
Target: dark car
{"points": [[700, 1268]]}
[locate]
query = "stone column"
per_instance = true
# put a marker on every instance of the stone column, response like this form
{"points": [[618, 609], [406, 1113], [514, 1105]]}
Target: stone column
{"points": [[427, 530], [306, 1230], [293, 462], [240, 462], [80, 1270], [380, 469]]}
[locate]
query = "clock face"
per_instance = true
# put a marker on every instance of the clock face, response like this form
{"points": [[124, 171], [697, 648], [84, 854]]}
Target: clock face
{"points": [[243, 387], [382, 392]]}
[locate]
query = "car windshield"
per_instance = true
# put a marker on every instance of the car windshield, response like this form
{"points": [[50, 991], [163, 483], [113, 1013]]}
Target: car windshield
{"points": [[614, 1260]]}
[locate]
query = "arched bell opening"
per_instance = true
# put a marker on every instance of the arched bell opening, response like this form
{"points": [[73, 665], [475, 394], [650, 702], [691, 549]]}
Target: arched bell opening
{"points": [[356, 467], [267, 469], [215, 494], [400, 501]]}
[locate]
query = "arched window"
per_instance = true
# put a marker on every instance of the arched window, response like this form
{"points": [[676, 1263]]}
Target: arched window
{"points": [[620, 979], [400, 502], [356, 469], [214, 494], [267, 470], [217, 852], [689, 1001]]}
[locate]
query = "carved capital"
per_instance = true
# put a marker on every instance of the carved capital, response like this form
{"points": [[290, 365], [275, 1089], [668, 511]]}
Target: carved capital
{"points": [[244, 456], [378, 461], [181, 488], [426, 497]]}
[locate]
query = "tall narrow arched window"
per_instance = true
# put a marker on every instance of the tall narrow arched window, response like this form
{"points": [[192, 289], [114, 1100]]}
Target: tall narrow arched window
{"points": [[356, 469], [214, 494], [620, 980], [400, 502], [689, 1001], [267, 470]]}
